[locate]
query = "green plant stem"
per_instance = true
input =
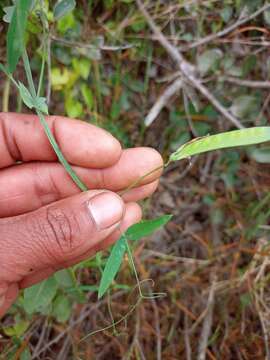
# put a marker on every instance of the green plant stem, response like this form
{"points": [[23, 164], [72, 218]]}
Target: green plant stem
{"points": [[140, 179], [47, 130], [6, 93], [28, 73], [133, 266], [41, 73], [60, 155], [44, 42]]}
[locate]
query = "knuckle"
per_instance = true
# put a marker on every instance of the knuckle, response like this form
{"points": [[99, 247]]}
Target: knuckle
{"points": [[60, 229]]}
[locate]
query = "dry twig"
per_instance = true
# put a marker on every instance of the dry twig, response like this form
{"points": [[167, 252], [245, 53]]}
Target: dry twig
{"points": [[207, 324], [162, 101], [247, 83]]}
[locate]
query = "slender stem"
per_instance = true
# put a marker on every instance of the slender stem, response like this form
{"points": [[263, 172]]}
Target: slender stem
{"points": [[59, 154], [41, 73], [6, 93], [47, 130], [140, 179], [115, 323], [133, 266], [28, 72]]}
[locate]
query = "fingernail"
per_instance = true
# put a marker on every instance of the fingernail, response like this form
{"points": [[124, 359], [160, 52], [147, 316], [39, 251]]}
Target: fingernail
{"points": [[106, 209], [2, 300]]}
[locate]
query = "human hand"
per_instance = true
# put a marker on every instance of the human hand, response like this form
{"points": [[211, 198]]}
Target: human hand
{"points": [[46, 223]]}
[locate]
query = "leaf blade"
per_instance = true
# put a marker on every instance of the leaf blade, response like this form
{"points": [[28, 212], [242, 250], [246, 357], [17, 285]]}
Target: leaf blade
{"points": [[39, 295], [146, 227], [112, 266], [16, 30], [26, 96], [134, 232], [235, 138], [62, 8]]}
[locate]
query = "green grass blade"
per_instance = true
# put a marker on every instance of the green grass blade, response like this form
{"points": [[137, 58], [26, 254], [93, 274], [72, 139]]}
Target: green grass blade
{"points": [[112, 266], [243, 137], [16, 31]]}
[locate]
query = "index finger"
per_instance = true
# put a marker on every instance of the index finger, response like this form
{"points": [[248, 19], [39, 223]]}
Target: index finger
{"points": [[22, 138]]}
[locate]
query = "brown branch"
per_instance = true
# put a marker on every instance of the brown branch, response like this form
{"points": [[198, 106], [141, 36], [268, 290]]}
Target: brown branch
{"points": [[163, 100]]}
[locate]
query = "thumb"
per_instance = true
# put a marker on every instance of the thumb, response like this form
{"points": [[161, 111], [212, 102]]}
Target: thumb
{"points": [[58, 232]]}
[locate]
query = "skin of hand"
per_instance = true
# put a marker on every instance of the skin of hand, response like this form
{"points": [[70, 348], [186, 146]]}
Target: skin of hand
{"points": [[46, 223]]}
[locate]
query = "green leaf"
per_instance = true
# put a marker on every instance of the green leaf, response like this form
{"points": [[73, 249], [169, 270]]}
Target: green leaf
{"points": [[60, 78], [16, 30], [243, 137], [62, 8], [18, 329], [208, 60], [112, 266], [40, 295], [26, 96], [260, 155], [82, 67], [87, 96], [5, 70], [226, 13], [244, 105], [73, 107], [64, 278], [134, 232], [41, 105], [146, 227], [26, 354], [61, 308]]}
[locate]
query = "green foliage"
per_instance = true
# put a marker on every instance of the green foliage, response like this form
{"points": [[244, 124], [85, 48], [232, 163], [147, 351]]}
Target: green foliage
{"points": [[135, 232], [39, 296], [115, 89], [208, 60], [244, 105], [16, 30], [61, 308]]}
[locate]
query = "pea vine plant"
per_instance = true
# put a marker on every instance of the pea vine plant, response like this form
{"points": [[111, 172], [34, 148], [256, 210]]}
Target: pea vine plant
{"points": [[17, 16]]}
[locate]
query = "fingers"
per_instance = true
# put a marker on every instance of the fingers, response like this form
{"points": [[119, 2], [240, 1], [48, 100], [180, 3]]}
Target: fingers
{"points": [[8, 298], [133, 215], [82, 144], [57, 233], [27, 187]]}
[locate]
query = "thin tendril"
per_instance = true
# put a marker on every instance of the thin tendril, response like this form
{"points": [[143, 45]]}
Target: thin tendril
{"points": [[115, 323]]}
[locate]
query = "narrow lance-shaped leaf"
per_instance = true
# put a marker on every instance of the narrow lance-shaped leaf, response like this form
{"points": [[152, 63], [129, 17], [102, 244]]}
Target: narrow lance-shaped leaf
{"points": [[135, 232], [146, 227], [16, 31], [243, 137], [112, 266]]}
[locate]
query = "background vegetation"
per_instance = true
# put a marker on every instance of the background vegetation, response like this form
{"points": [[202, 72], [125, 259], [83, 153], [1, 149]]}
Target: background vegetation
{"points": [[106, 66]]}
